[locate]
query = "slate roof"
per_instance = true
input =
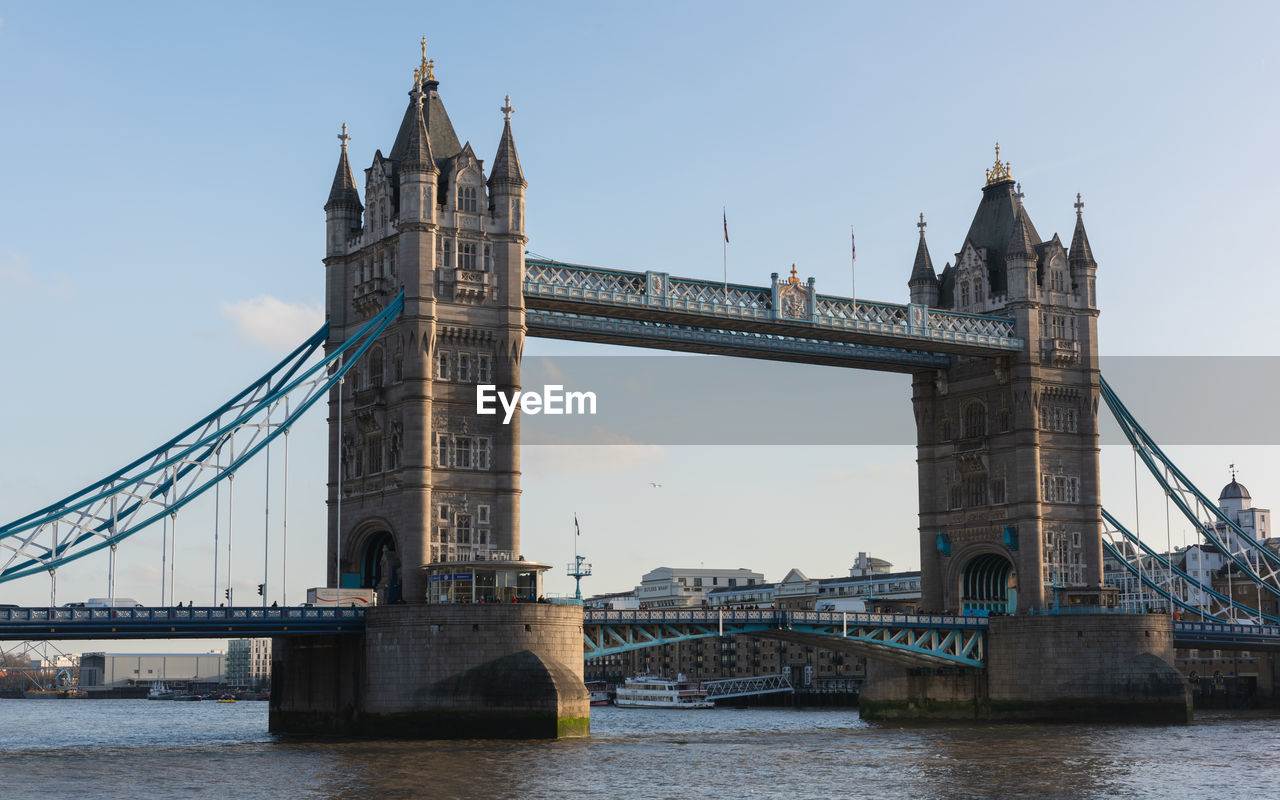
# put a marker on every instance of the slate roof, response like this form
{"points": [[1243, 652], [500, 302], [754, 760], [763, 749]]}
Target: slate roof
{"points": [[506, 163], [343, 191], [444, 141], [922, 270]]}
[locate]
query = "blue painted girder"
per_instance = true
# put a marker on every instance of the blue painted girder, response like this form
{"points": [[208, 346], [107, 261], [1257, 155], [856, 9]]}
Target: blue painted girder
{"points": [[919, 640]]}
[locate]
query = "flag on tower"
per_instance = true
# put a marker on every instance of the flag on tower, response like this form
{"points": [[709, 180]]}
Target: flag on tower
{"points": [[853, 244], [726, 228], [575, 524]]}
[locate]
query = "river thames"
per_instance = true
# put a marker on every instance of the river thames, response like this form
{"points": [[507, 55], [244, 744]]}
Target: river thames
{"points": [[135, 748]]}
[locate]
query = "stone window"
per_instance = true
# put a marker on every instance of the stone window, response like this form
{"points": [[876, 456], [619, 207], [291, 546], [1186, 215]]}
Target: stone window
{"points": [[375, 368], [488, 258], [462, 532], [464, 367], [977, 490], [446, 258], [462, 452], [482, 452], [482, 515], [1005, 420], [975, 419], [964, 294], [484, 369], [442, 366], [946, 429], [373, 455], [467, 255], [997, 492], [466, 198], [957, 496], [442, 450]]}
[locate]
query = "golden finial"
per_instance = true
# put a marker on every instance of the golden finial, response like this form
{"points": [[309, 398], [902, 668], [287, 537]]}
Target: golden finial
{"points": [[998, 172], [427, 69], [417, 77], [794, 278]]}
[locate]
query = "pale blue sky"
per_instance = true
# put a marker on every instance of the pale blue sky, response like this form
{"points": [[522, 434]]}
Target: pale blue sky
{"points": [[164, 164]]}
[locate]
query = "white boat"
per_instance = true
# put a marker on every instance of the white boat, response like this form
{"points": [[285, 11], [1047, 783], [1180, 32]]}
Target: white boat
{"points": [[160, 692], [653, 691]]}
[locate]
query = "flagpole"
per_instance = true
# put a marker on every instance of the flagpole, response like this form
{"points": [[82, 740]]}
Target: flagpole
{"points": [[853, 272], [724, 247]]}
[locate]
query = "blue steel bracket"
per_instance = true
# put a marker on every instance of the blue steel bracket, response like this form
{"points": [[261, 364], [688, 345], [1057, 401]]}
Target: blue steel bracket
{"points": [[944, 543], [1011, 537]]}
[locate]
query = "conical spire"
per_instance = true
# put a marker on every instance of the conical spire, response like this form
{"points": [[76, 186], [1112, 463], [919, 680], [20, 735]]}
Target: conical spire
{"points": [[343, 191], [1022, 239], [922, 271], [417, 152], [1081, 254], [506, 164]]}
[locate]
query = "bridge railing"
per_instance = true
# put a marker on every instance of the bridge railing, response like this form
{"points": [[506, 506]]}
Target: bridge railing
{"points": [[659, 291], [82, 614], [1270, 631], [780, 617]]}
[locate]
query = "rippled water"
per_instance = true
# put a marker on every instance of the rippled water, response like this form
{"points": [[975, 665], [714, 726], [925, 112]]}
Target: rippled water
{"points": [[136, 748]]}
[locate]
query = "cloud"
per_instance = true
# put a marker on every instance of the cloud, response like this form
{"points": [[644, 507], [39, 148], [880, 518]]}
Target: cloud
{"points": [[272, 322], [20, 282]]}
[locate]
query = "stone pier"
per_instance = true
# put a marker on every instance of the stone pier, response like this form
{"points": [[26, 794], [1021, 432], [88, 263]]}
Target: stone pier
{"points": [[509, 671], [1052, 668]]}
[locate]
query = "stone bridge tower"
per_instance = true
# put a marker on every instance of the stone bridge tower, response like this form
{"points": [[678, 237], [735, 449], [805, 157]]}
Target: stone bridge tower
{"points": [[415, 477], [1010, 517]]}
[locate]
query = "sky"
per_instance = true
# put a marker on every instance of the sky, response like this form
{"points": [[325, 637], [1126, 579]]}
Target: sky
{"points": [[163, 169]]}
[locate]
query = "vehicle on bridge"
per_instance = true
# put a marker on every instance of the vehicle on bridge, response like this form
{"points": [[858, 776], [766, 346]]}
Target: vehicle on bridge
{"points": [[855, 605], [106, 602]]}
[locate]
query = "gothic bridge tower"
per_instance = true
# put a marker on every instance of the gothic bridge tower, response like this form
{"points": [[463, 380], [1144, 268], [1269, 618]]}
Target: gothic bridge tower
{"points": [[415, 477], [1010, 517]]}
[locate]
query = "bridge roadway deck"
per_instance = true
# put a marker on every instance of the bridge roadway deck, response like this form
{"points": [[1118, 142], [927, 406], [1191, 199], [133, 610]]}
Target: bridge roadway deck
{"points": [[176, 623], [654, 309], [922, 640]]}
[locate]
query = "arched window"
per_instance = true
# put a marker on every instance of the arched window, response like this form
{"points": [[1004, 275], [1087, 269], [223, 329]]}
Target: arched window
{"points": [[975, 419], [964, 293], [466, 198]]}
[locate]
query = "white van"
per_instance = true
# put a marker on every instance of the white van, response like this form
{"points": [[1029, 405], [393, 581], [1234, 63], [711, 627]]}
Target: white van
{"points": [[106, 602]]}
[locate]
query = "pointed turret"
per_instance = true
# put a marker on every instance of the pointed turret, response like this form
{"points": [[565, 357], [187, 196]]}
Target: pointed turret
{"points": [[506, 180], [1022, 240], [923, 282], [343, 192], [343, 209], [1081, 255], [417, 155], [1020, 257], [419, 183], [506, 164]]}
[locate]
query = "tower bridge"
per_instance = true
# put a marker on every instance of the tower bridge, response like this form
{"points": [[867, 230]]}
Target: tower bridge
{"points": [[429, 291]]}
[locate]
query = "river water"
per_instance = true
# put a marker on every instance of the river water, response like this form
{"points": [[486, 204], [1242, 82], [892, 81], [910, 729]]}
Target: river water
{"points": [[140, 749]]}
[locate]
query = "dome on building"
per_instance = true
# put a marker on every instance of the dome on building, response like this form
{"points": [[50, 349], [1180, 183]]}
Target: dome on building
{"points": [[1234, 491]]}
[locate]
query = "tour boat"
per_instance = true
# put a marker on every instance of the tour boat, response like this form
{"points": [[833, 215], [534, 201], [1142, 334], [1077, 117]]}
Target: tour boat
{"points": [[599, 693], [652, 691], [160, 692]]}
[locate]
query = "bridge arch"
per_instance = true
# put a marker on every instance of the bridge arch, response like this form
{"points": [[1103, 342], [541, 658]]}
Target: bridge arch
{"points": [[987, 581], [376, 559]]}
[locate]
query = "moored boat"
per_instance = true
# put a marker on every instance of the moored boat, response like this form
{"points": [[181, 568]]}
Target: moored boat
{"points": [[159, 691], [653, 691], [599, 693]]}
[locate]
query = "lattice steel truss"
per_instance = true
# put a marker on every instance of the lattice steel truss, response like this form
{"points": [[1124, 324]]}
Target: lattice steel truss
{"points": [[165, 479], [587, 289], [909, 639]]}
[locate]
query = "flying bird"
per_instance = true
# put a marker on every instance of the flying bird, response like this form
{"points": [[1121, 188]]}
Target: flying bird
{"points": [[655, 485]]}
